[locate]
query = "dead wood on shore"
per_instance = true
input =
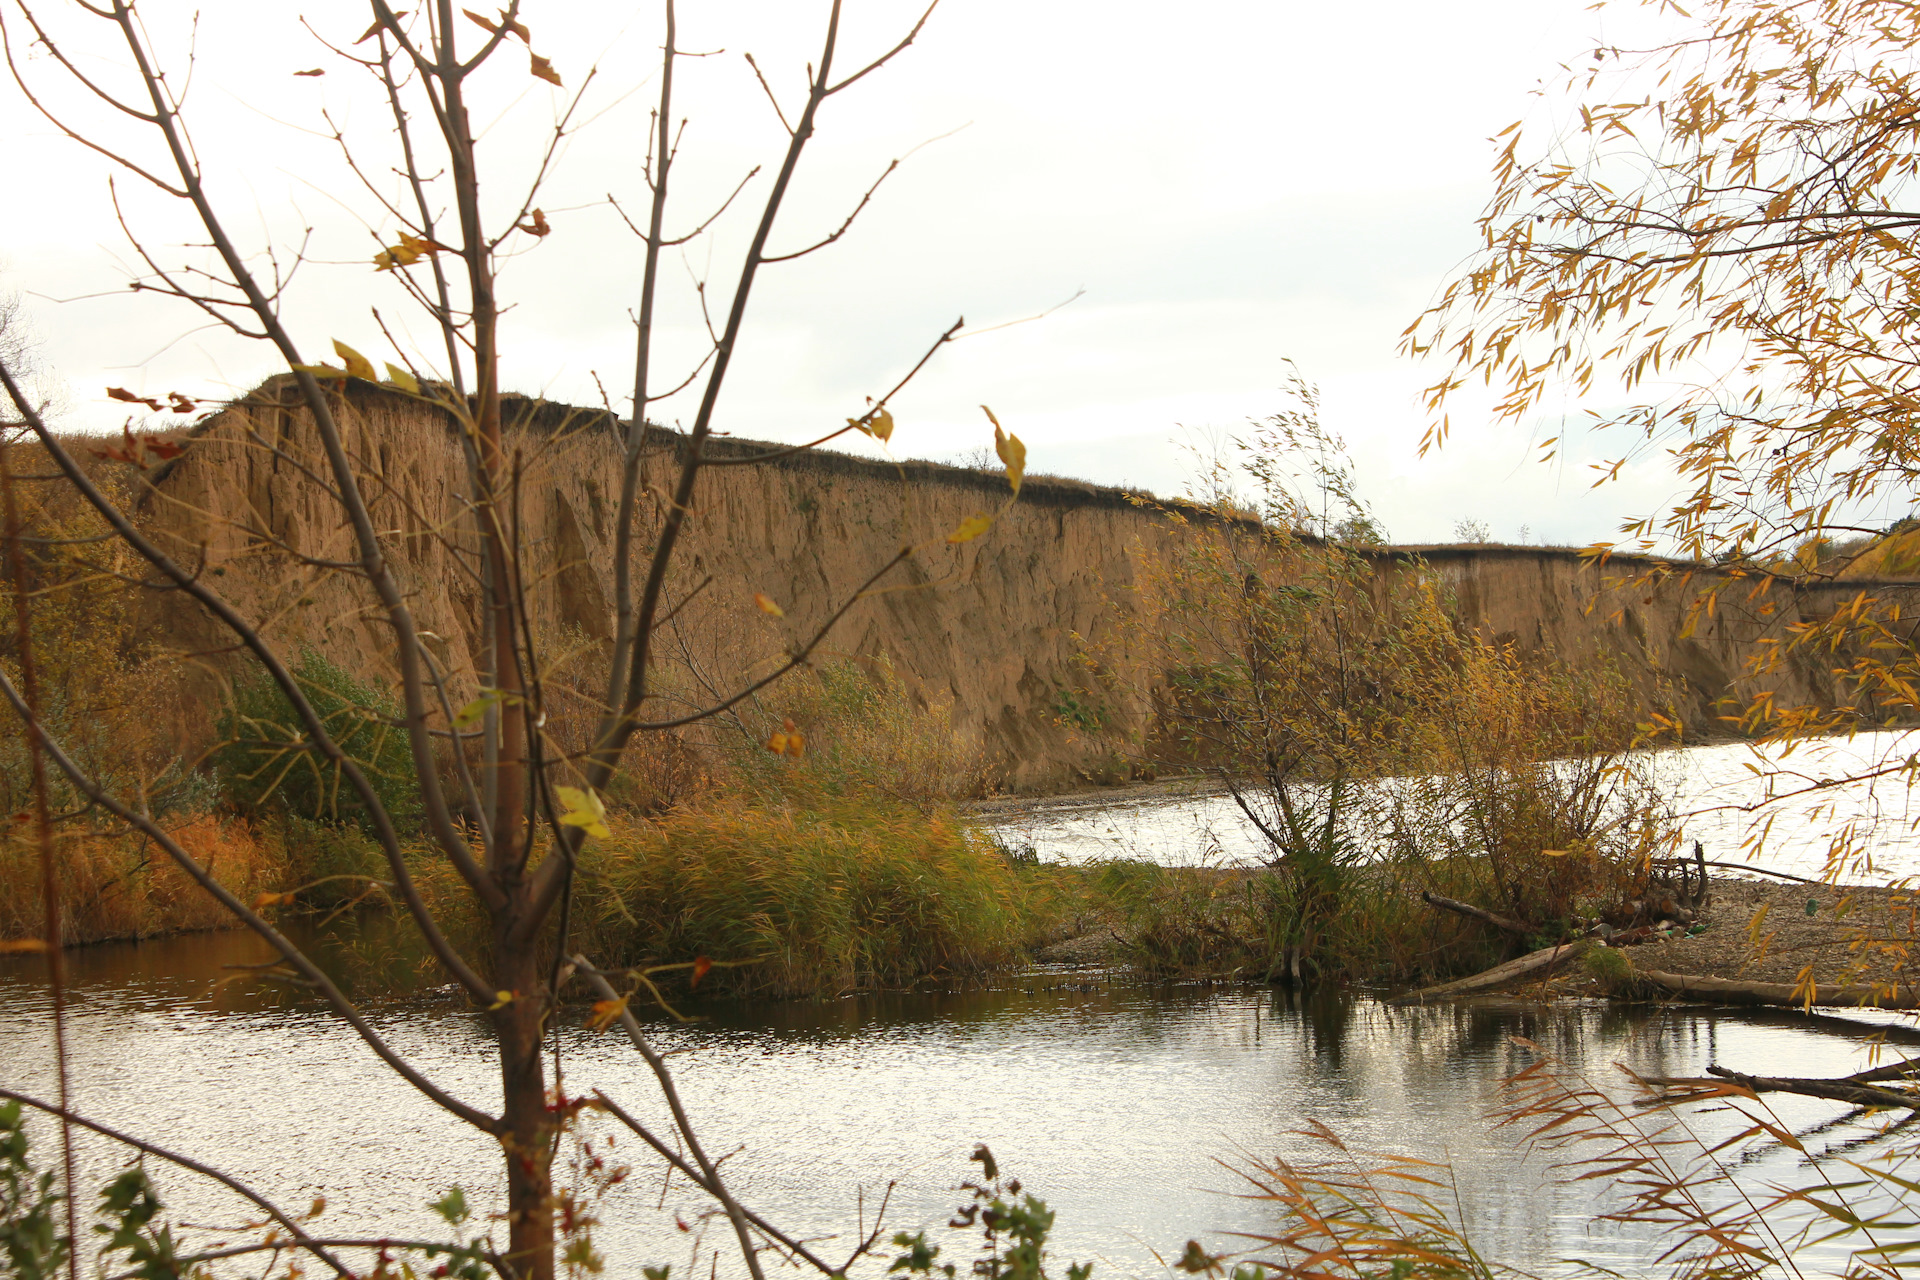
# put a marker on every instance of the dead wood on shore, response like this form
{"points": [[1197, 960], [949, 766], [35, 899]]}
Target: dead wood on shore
{"points": [[1537, 962], [1518, 928], [1784, 994]]}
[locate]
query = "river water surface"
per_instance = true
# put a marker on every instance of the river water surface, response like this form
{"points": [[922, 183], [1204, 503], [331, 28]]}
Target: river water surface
{"points": [[1127, 1107]]}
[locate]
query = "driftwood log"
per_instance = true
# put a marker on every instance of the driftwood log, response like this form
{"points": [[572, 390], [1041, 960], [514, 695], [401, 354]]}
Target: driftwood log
{"points": [[1859, 1088], [1518, 928], [1785, 994], [1536, 963]]}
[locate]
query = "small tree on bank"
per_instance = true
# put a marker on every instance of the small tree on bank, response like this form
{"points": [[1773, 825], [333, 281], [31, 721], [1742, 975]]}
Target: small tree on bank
{"points": [[1726, 236], [511, 814]]}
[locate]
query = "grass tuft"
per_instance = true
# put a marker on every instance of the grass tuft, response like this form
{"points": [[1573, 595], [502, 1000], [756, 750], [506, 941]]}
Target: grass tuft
{"points": [[828, 895]]}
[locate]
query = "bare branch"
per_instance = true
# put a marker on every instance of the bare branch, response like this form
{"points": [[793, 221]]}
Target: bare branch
{"points": [[232, 1184]]}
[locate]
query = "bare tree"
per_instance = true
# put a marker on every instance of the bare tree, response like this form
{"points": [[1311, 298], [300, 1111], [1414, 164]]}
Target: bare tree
{"points": [[486, 822]]}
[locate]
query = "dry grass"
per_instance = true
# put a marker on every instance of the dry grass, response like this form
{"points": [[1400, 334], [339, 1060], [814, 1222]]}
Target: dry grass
{"points": [[116, 885], [823, 896]]}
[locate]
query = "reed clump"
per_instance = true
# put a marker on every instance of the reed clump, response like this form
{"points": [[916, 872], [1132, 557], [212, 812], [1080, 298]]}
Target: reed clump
{"points": [[811, 895], [1186, 922], [115, 885]]}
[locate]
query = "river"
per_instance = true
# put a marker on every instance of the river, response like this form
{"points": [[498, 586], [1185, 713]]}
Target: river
{"points": [[1125, 1106]]}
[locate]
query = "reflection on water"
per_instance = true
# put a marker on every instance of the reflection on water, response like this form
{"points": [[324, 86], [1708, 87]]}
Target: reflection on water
{"points": [[1718, 791], [1114, 1102]]}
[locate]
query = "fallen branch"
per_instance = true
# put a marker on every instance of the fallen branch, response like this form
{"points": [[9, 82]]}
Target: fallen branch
{"points": [[1764, 871], [1535, 962], [1785, 994], [1852, 1089], [1515, 927]]}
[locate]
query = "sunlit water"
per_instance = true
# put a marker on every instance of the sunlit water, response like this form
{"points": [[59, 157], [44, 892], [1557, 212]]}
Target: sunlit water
{"points": [[1115, 1103], [1126, 1107], [1767, 807]]}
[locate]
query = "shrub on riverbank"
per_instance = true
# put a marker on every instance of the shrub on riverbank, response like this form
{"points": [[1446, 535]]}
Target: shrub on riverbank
{"points": [[863, 731], [115, 884], [1182, 922], [264, 763], [826, 894]]}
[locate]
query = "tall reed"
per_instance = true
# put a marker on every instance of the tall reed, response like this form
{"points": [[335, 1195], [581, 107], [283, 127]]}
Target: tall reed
{"points": [[819, 896], [117, 887]]}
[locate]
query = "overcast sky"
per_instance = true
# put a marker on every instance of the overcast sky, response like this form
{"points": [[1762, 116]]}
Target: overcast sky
{"points": [[1228, 185]]}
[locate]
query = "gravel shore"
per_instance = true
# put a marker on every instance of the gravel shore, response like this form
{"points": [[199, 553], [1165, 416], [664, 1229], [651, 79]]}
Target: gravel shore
{"points": [[1765, 931]]}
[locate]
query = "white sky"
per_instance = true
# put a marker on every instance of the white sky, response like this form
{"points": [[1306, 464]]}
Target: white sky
{"points": [[1233, 184]]}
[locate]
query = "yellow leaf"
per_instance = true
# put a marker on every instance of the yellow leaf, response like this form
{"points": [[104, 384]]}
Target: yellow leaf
{"points": [[402, 379], [471, 714], [796, 743], [320, 370], [394, 258], [501, 999], [409, 251], [880, 425], [1011, 451], [266, 900], [358, 366], [971, 528], [1553, 853], [767, 605], [21, 946], [777, 744], [606, 1013], [543, 70], [580, 807]]}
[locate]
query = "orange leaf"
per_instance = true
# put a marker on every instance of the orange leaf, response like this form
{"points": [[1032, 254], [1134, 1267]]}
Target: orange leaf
{"points": [[21, 946], [700, 966], [767, 605], [777, 744], [127, 397], [374, 30], [606, 1013], [543, 70], [536, 225]]}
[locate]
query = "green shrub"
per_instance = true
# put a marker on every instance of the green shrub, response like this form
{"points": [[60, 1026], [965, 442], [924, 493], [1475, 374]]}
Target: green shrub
{"points": [[866, 732], [832, 896], [266, 762], [1608, 966]]}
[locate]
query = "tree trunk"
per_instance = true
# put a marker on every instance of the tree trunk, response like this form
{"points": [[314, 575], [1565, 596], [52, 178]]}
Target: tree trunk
{"points": [[1536, 962], [526, 1134], [1519, 928], [1785, 994]]}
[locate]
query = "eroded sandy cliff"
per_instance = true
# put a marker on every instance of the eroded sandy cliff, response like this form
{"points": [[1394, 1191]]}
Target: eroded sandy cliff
{"points": [[990, 625]]}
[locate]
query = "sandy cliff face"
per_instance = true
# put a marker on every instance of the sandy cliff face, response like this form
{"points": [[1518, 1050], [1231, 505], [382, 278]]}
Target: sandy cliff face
{"points": [[990, 625], [1647, 615]]}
